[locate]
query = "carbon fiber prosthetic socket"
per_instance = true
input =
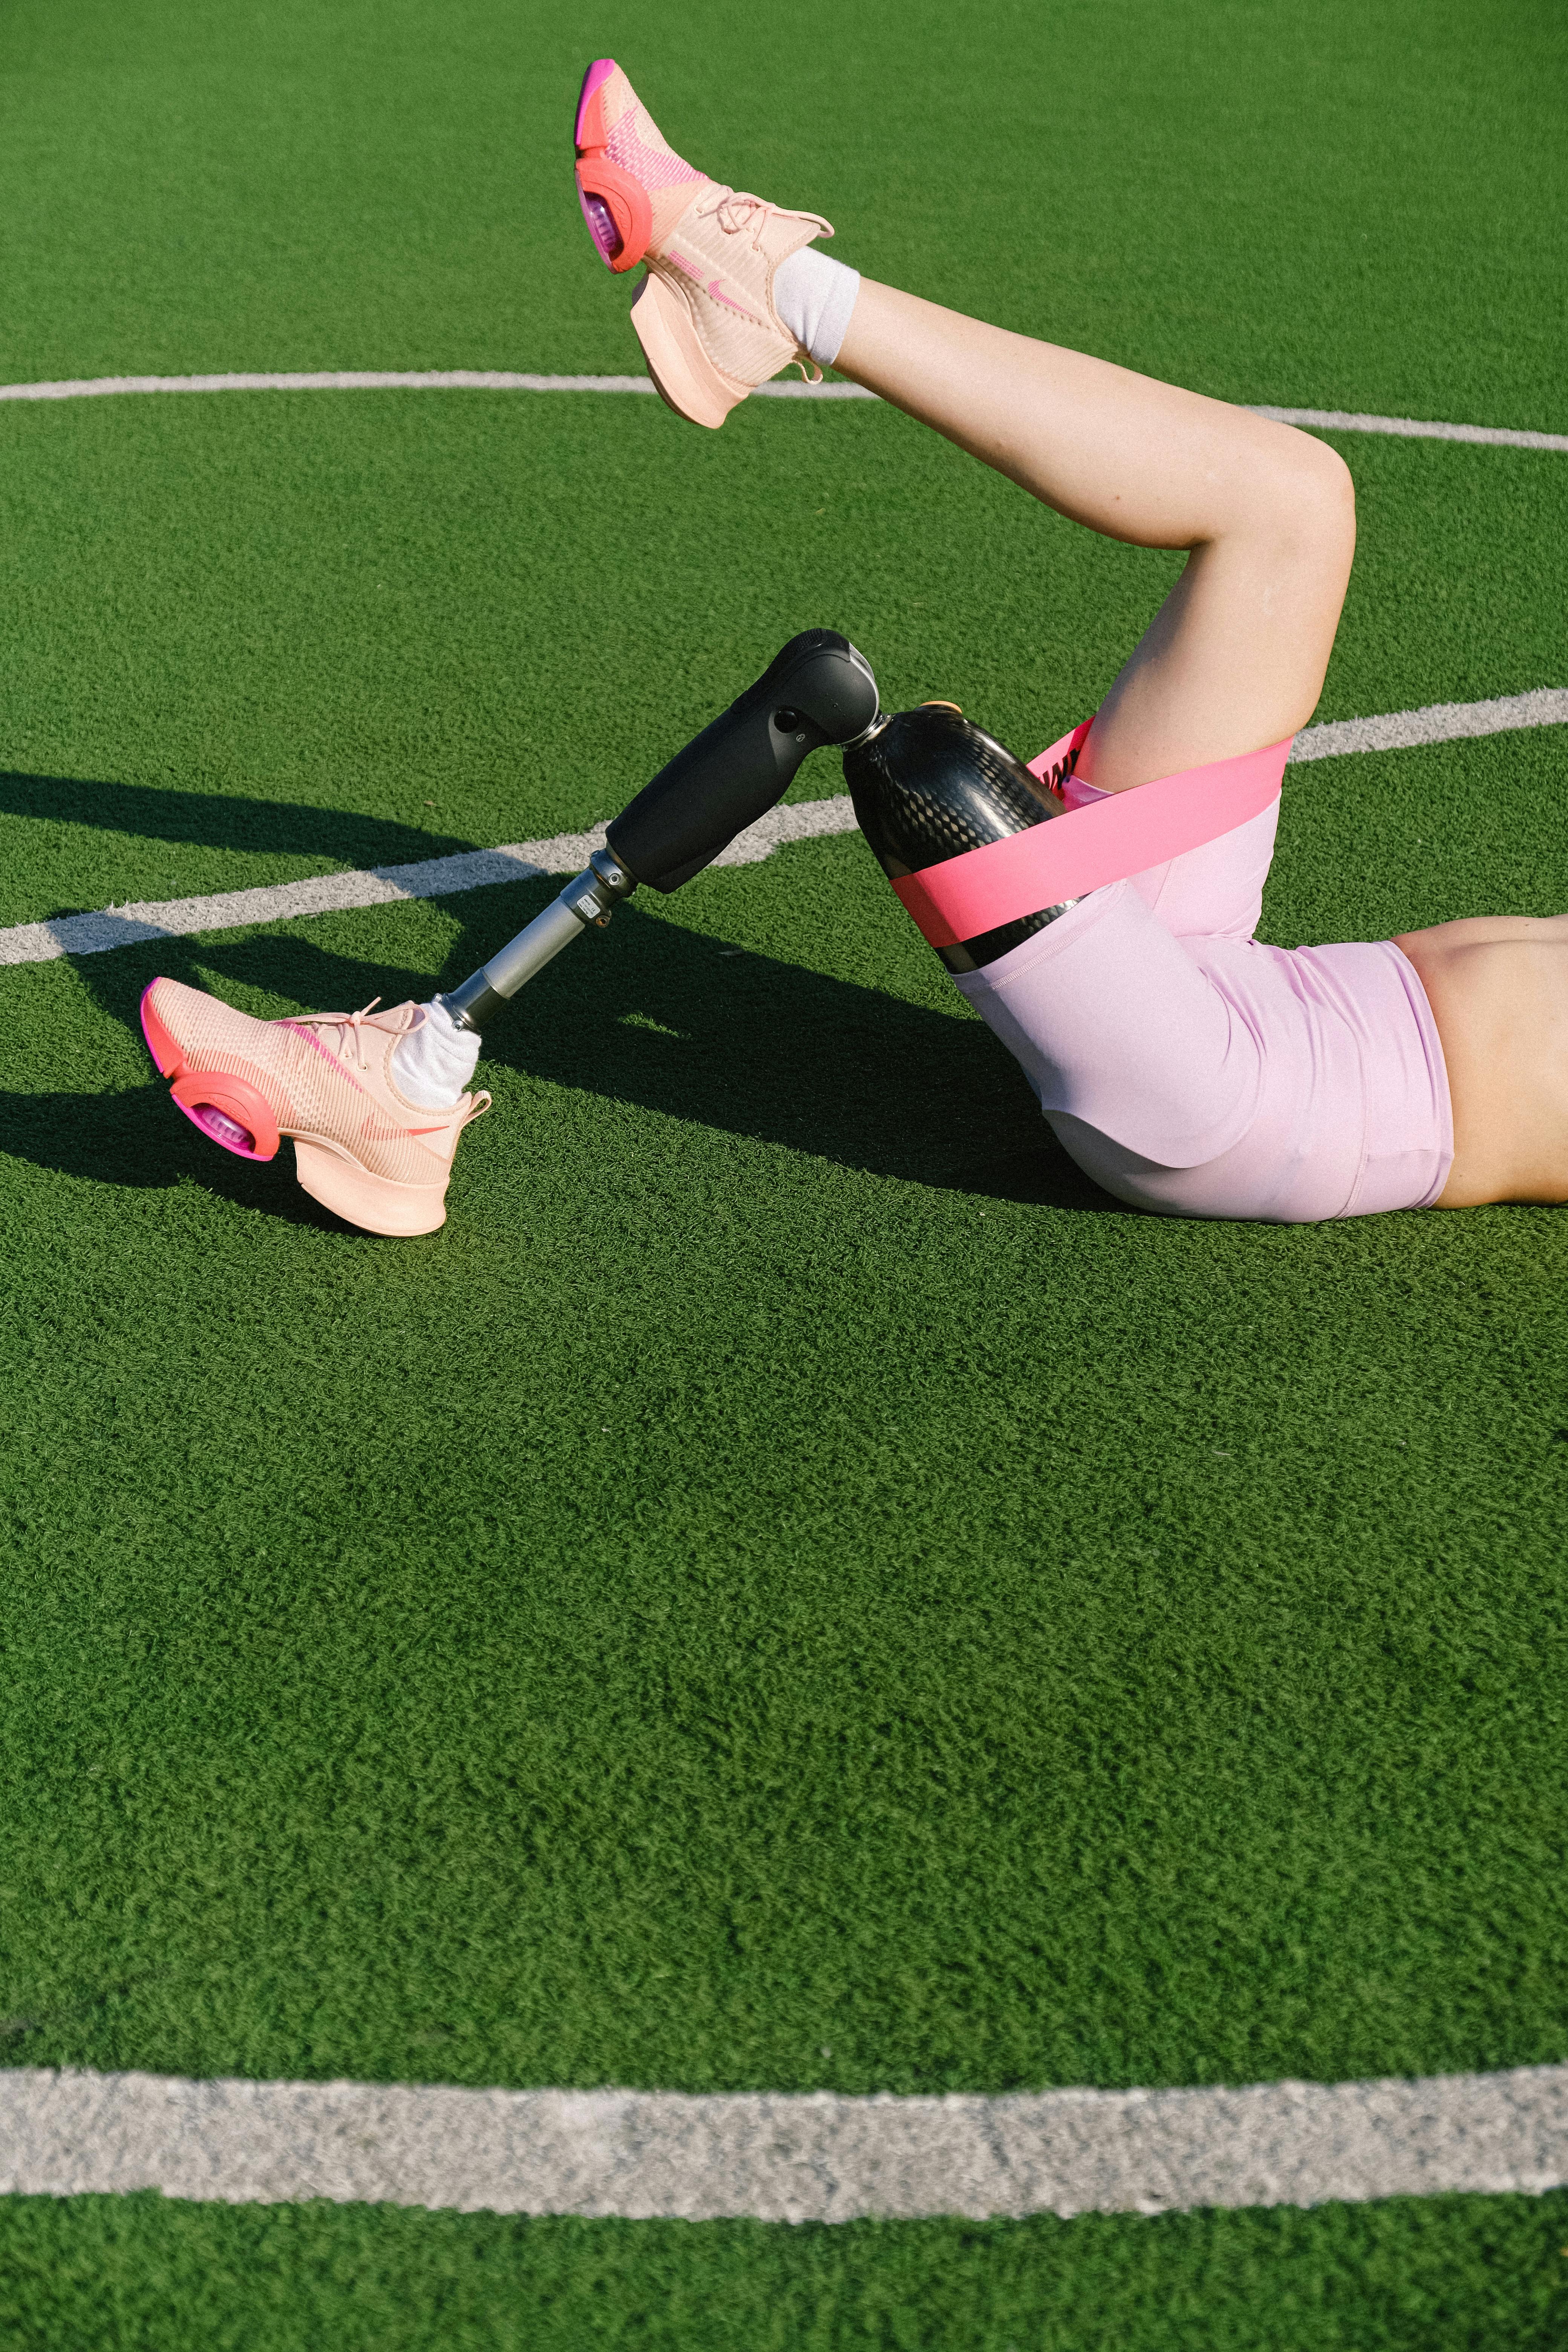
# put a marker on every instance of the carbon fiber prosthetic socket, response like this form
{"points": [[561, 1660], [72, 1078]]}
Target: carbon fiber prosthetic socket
{"points": [[928, 785]]}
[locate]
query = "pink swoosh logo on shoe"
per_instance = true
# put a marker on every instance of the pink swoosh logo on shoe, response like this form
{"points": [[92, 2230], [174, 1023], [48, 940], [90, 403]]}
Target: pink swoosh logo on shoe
{"points": [[370, 1133], [712, 289], [715, 291]]}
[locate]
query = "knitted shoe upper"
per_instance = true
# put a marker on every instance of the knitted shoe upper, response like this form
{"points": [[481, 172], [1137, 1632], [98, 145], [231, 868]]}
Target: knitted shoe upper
{"points": [[720, 257], [634, 143], [323, 1075]]}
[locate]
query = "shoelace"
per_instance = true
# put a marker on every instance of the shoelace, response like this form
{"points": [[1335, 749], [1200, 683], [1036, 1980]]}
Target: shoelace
{"points": [[477, 1104], [736, 212], [353, 1021]]}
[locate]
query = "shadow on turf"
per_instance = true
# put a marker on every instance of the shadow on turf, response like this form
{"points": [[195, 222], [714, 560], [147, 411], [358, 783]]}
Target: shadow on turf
{"points": [[139, 1138], [222, 821], [673, 1020]]}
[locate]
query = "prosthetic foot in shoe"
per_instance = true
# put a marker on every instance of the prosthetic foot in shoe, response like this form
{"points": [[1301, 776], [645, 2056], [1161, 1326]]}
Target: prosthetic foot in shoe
{"points": [[704, 314], [325, 1079], [928, 785]]}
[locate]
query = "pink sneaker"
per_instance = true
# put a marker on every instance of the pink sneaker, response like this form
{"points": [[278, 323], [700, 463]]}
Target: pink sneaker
{"points": [[704, 314], [323, 1078]]}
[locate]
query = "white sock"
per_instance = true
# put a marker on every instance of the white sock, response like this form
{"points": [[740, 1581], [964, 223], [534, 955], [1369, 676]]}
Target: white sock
{"points": [[435, 1060], [815, 297]]}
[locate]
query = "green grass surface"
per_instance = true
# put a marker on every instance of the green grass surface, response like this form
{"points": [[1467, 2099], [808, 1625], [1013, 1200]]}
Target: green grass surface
{"points": [[1364, 199], [791, 1588], [1444, 2274]]}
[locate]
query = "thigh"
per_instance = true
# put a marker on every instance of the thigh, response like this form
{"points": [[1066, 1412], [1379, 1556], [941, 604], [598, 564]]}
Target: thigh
{"points": [[1115, 1023], [1214, 891], [1235, 658]]}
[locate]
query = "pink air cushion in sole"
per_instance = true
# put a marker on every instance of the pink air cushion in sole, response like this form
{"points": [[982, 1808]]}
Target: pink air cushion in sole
{"points": [[603, 226], [230, 1111], [223, 1129]]}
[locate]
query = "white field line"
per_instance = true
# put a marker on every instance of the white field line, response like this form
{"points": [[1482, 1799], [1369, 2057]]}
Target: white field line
{"points": [[646, 2154], [568, 853], [1436, 722], [1336, 420], [389, 380], [1413, 428]]}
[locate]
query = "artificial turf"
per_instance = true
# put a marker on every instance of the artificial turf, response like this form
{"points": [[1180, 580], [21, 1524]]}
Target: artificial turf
{"points": [[1439, 2274], [791, 1588]]}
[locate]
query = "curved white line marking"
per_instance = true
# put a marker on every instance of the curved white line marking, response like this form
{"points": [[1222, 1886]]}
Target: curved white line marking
{"points": [[1411, 428], [568, 853], [386, 379], [1436, 722], [1335, 420], [647, 2155]]}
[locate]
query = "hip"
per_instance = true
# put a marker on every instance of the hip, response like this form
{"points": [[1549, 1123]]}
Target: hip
{"points": [[1351, 1112]]}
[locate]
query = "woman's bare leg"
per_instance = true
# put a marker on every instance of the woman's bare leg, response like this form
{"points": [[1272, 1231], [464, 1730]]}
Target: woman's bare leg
{"points": [[1236, 655]]}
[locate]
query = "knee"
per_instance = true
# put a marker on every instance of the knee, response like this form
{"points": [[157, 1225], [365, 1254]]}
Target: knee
{"points": [[1327, 482], [1311, 500]]}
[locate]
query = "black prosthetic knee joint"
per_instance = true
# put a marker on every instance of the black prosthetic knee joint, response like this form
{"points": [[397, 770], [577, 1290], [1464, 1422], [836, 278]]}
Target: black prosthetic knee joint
{"points": [[817, 690]]}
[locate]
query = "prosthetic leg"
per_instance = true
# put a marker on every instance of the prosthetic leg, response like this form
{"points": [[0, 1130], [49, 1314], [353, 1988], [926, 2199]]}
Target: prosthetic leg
{"points": [[368, 1150], [818, 690], [930, 786]]}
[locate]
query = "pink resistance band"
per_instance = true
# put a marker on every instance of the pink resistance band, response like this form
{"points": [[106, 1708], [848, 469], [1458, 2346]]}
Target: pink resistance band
{"points": [[983, 888]]}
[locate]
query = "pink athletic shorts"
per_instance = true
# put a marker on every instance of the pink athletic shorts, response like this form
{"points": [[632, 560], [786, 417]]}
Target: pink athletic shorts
{"points": [[1189, 1068]]}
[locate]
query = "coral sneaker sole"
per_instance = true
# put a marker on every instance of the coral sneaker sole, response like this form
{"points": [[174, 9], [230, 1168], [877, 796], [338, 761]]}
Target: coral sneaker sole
{"points": [[615, 205], [246, 1084], [684, 377]]}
